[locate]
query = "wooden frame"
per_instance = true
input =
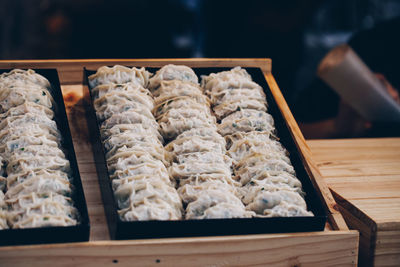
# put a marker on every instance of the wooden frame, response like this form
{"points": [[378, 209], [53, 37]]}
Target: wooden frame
{"points": [[337, 245]]}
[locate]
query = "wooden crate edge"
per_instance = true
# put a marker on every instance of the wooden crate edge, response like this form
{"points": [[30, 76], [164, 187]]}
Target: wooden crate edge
{"points": [[334, 216], [296, 248], [71, 70]]}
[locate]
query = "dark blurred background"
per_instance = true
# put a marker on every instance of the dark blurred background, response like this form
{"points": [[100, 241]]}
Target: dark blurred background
{"points": [[296, 34]]}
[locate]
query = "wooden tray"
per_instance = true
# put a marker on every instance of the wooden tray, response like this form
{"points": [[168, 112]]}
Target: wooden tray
{"points": [[336, 245]]}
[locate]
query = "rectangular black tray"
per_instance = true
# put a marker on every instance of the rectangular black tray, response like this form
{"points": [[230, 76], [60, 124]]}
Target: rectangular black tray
{"points": [[209, 227], [59, 234]]}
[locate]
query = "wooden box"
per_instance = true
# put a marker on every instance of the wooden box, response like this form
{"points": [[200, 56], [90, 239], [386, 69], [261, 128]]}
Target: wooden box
{"points": [[364, 176], [336, 245]]}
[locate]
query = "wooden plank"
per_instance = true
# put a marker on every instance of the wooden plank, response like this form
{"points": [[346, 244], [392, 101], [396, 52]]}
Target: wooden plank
{"points": [[387, 250], [388, 239], [357, 220], [360, 157], [368, 187], [359, 169], [336, 248], [384, 211], [366, 238], [334, 216], [71, 70], [387, 260]]}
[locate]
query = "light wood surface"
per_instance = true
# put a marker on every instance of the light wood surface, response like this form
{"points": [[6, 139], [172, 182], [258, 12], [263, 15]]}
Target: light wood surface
{"points": [[336, 246], [364, 175]]}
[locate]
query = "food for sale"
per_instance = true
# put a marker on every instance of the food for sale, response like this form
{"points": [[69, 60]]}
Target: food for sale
{"points": [[261, 165], [133, 145], [37, 185]]}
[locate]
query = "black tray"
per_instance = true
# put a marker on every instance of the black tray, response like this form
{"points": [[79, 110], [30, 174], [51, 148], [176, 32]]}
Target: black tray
{"points": [[59, 234], [209, 227]]}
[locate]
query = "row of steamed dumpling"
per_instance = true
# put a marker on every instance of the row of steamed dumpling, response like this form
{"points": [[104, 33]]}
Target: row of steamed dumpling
{"points": [[196, 151], [268, 183], [133, 145], [36, 175]]}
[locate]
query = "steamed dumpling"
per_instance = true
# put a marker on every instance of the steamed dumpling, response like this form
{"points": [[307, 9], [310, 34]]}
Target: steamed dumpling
{"points": [[119, 74], [173, 72], [23, 77]]}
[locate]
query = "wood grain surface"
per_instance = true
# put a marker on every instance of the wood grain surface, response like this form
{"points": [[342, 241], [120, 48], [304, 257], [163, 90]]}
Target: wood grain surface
{"points": [[364, 175], [334, 248]]}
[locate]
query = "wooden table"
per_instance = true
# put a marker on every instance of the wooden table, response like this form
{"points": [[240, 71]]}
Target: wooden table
{"points": [[364, 176]]}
